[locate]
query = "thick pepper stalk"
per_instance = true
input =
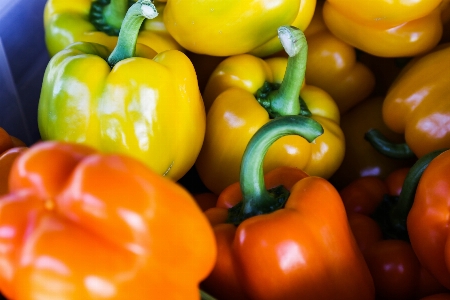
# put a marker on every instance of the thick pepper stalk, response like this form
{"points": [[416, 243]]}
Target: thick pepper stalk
{"points": [[244, 92]]}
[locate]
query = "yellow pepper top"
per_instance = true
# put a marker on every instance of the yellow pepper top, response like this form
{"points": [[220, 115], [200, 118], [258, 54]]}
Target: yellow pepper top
{"points": [[227, 27], [67, 22], [387, 28]]}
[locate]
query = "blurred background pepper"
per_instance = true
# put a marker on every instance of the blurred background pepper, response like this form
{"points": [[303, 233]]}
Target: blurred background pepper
{"points": [[386, 28]]}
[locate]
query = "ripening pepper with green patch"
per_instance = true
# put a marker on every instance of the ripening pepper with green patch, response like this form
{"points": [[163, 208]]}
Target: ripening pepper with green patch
{"points": [[131, 101]]}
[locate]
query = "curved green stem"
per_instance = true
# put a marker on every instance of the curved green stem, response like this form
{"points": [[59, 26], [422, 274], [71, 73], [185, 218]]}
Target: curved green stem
{"points": [[284, 100], [256, 199], [387, 148], [400, 211], [205, 296], [107, 15], [115, 12], [126, 44]]}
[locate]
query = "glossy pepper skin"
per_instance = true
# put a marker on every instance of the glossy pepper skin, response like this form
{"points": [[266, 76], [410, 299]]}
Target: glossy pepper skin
{"points": [[286, 247], [10, 148], [333, 66], [71, 226], [427, 221], [235, 114], [67, 22], [386, 28], [361, 159], [147, 106], [417, 105], [395, 269], [225, 28]]}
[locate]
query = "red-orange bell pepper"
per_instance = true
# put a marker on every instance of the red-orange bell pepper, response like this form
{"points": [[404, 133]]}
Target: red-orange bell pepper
{"points": [[429, 214], [395, 269], [78, 224], [290, 242]]}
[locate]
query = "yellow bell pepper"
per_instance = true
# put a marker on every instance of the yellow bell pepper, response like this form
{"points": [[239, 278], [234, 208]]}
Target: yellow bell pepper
{"points": [[332, 66], [386, 28], [245, 92], [142, 104], [417, 104], [225, 27], [67, 22]]}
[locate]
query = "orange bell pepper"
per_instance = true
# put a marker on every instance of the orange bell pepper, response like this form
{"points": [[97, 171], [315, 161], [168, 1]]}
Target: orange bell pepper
{"points": [[333, 66], [78, 224], [10, 148], [396, 270], [428, 217], [292, 241]]}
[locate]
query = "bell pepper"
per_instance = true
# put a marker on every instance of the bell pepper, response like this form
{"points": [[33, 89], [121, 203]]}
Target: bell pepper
{"points": [[225, 28], [424, 210], [245, 92], [361, 159], [386, 28], [333, 66], [274, 238], [99, 21], [70, 231], [395, 269], [10, 148], [416, 105], [133, 102]]}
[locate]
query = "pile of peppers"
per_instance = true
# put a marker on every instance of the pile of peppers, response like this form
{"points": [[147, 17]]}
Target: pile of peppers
{"points": [[216, 150]]}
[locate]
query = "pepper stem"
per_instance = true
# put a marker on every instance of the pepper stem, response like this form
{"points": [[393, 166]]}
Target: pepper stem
{"points": [[107, 15], [126, 43], [284, 101], [115, 12], [400, 211], [256, 199], [387, 148]]}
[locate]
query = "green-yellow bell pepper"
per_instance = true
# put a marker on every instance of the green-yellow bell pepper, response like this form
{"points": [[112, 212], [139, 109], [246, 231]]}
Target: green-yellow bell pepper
{"points": [[143, 104], [224, 28], [67, 22]]}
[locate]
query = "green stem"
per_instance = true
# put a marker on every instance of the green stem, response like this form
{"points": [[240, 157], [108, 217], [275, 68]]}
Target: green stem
{"points": [[400, 211], [126, 43], [256, 199], [107, 15], [115, 12], [205, 296], [284, 100], [387, 148]]}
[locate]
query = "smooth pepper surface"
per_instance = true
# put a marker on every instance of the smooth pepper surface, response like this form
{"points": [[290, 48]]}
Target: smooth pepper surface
{"points": [[78, 224], [141, 104]]}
